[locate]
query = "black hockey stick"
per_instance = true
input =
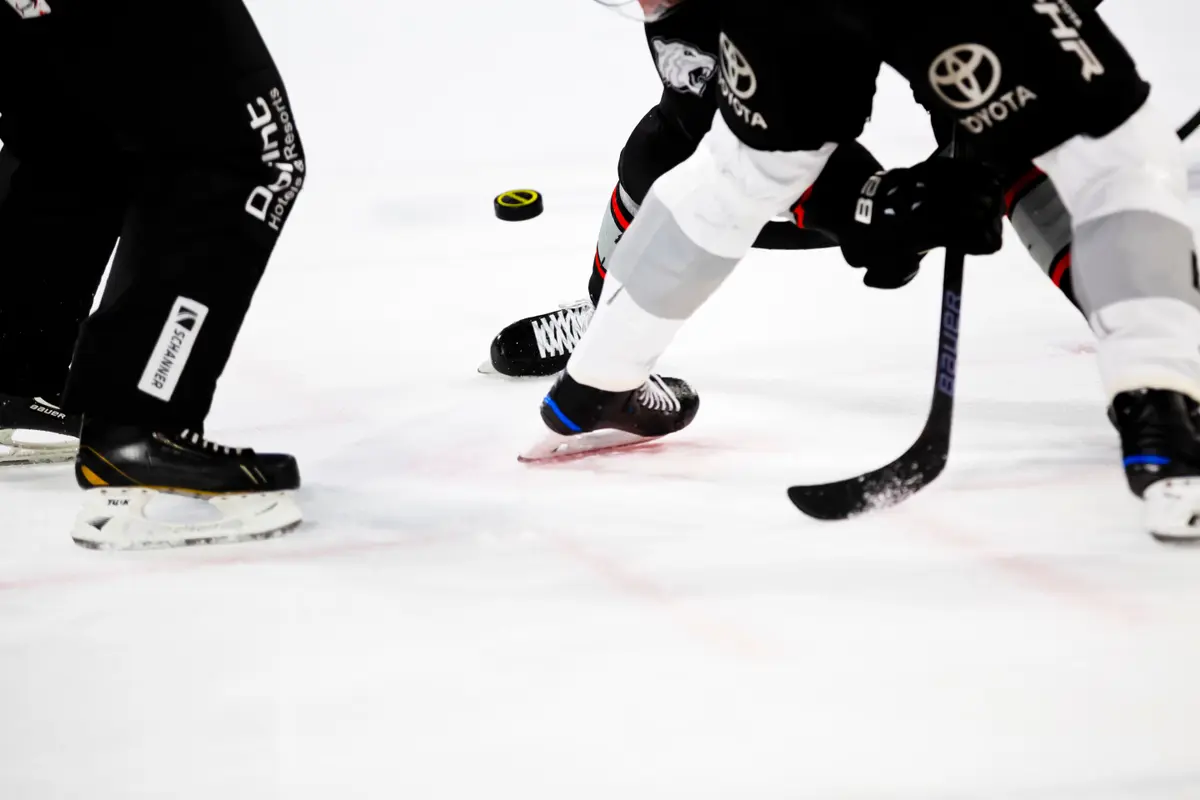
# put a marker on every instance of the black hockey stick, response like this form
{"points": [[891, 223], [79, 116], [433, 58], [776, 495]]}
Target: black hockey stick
{"points": [[1190, 126], [926, 459]]}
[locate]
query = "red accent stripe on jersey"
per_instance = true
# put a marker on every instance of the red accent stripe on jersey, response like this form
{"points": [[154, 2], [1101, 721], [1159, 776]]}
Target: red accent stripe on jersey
{"points": [[1060, 268], [618, 215], [798, 209], [1019, 188], [598, 266]]}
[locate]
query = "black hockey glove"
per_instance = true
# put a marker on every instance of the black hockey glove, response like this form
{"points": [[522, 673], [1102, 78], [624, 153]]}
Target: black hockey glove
{"points": [[904, 213], [891, 270]]}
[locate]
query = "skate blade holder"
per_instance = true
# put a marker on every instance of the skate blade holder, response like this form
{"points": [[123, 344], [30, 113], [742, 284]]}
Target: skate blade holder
{"points": [[1171, 510], [556, 447], [141, 519], [19, 446]]}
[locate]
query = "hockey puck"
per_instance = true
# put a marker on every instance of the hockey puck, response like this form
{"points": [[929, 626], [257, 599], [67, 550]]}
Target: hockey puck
{"points": [[518, 205]]}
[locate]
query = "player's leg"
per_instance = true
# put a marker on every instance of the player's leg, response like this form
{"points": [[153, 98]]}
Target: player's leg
{"points": [[1052, 83], [770, 142], [685, 47], [62, 197], [56, 234], [540, 345], [697, 222], [219, 166], [1043, 225]]}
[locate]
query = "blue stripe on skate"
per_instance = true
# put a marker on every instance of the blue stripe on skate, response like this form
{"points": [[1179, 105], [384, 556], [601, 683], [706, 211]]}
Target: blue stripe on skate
{"points": [[561, 416], [1158, 460]]}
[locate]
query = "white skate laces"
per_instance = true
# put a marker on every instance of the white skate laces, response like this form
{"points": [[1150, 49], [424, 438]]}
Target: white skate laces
{"points": [[558, 333], [196, 440], [657, 396]]}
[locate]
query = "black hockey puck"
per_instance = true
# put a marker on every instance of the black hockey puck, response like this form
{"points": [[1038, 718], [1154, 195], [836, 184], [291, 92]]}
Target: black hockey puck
{"points": [[518, 205]]}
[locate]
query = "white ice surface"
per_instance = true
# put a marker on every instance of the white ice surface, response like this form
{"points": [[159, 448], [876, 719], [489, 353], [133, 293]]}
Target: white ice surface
{"points": [[660, 624]]}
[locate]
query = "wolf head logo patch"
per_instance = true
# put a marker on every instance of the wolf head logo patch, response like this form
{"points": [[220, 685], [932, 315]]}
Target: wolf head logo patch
{"points": [[684, 67], [30, 9]]}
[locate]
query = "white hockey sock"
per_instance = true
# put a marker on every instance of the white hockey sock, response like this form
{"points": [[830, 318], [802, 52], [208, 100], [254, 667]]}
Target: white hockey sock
{"points": [[623, 342]]}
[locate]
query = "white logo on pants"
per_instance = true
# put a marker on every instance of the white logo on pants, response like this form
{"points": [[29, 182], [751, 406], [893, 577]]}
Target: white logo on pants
{"points": [[30, 9], [965, 76], [280, 149], [173, 349]]}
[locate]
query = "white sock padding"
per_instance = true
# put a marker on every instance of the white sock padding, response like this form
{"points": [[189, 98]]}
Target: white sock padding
{"points": [[1149, 343], [710, 210], [622, 344]]}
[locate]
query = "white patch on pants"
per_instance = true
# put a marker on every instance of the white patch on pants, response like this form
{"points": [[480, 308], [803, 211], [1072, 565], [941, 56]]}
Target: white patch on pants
{"points": [[174, 347]]}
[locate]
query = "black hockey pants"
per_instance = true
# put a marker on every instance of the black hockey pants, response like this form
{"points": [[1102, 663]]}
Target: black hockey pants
{"points": [[170, 128]]}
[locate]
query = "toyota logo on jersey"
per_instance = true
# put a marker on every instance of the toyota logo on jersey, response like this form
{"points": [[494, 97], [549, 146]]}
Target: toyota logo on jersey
{"points": [[965, 76]]}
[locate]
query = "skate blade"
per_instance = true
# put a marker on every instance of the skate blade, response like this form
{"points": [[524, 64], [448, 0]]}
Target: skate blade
{"points": [[16, 450], [486, 368], [143, 519], [1171, 510], [556, 447]]}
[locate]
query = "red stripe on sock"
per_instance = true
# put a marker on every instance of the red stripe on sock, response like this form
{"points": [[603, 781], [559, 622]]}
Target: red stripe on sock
{"points": [[1060, 269], [1018, 188], [798, 209], [622, 222], [598, 266]]}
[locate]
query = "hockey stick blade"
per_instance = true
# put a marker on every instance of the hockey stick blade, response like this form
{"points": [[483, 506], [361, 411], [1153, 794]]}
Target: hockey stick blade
{"points": [[925, 460], [885, 487]]}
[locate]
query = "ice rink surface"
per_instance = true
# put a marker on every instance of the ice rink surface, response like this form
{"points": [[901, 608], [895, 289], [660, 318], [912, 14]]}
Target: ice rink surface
{"points": [[652, 625]]}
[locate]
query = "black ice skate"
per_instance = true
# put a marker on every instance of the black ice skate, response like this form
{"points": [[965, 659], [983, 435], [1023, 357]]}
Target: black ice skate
{"points": [[582, 419], [35, 431], [539, 346], [1162, 459], [225, 494]]}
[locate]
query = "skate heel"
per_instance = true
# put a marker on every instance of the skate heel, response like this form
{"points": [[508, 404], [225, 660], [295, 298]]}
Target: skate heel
{"points": [[35, 431], [1162, 460], [140, 518], [1171, 511]]}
